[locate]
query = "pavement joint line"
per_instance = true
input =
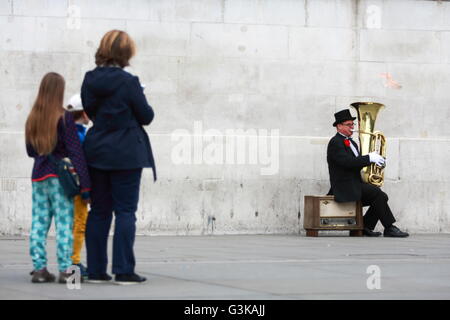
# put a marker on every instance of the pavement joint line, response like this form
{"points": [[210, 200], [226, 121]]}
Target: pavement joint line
{"points": [[320, 261], [285, 261]]}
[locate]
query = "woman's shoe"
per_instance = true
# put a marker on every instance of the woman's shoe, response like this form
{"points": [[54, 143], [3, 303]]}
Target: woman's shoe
{"points": [[98, 278], [132, 278]]}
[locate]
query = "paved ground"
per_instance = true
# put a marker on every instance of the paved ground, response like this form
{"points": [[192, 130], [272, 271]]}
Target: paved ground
{"points": [[256, 267]]}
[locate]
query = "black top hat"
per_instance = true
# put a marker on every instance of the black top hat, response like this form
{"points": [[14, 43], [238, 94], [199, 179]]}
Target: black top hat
{"points": [[342, 116]]}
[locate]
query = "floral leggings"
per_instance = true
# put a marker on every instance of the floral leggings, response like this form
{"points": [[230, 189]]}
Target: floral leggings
{"points": [[50, 201]]}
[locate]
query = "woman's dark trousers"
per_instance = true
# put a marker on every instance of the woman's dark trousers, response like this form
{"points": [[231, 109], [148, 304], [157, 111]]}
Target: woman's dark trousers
{"points": [[112, 191]]}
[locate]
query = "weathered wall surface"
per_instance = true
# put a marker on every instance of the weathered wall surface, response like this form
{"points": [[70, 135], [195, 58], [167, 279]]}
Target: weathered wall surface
{"points": [[212, 67]]}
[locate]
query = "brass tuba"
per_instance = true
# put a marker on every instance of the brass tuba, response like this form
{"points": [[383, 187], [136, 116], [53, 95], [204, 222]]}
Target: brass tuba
{"points": [[370, 140]]}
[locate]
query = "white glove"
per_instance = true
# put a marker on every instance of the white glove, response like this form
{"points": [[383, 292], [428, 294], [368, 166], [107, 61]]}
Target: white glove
{"points": [[377, 159]]}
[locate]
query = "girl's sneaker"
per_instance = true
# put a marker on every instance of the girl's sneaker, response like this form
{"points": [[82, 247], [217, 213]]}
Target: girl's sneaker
{"points": [[65, 275], [42, 276]]}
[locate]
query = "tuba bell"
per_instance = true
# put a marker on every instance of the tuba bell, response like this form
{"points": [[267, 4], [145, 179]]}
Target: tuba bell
{"points": [[370, 140]]}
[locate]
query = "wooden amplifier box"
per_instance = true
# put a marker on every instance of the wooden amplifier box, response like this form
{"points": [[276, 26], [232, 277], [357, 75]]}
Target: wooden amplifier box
{"points": [[323, 213]]}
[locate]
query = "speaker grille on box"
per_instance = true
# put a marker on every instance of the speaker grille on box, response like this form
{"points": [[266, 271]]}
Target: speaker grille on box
{"points": [[323, 213]]}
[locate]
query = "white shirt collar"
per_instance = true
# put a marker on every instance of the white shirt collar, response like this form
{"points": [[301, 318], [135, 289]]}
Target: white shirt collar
{"points": [[344, 135]]}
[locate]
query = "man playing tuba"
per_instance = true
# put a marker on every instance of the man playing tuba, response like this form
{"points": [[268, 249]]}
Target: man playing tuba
{"points": [[344, 165]]}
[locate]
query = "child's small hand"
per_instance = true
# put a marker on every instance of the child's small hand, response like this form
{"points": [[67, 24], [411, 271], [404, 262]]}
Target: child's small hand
{"points": [[86, 197]]}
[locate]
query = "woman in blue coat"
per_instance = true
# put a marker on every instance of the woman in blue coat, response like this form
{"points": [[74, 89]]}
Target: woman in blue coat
{"points": [[117, 148]]}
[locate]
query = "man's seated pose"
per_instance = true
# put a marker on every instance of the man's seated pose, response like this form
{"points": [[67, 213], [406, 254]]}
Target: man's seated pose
{"points": [[344, 165]]}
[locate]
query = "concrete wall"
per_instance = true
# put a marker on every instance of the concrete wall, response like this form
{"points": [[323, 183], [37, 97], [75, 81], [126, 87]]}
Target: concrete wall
{"points": [[214, 66]]}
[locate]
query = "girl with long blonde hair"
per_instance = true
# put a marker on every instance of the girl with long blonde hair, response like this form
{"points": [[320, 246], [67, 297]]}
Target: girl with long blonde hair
{"points": [[49, 130]]}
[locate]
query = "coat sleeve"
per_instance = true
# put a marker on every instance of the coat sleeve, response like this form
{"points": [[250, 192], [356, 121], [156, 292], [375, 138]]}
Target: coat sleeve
{"points": [[75, 152], [338, 154], [141, 109], [89, 101]]}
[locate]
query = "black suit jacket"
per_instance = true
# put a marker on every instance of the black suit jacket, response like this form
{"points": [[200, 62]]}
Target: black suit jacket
{"points": [[344, 168]]}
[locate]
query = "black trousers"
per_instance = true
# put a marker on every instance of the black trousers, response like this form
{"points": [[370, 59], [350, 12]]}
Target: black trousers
{"points": [[118, 192], [379, 209]]}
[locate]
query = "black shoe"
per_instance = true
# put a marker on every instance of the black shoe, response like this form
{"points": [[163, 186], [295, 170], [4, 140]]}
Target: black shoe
{"points": [[369, 233], [131, 278], [393, 231], [98, 278]]}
